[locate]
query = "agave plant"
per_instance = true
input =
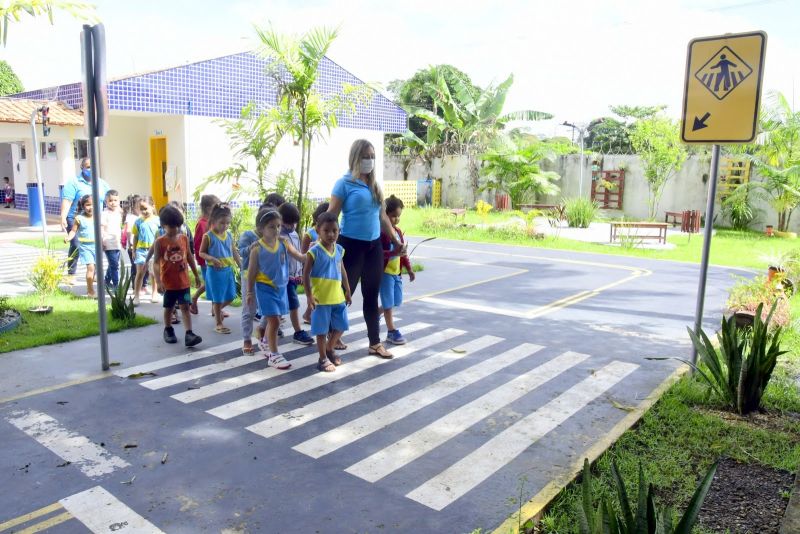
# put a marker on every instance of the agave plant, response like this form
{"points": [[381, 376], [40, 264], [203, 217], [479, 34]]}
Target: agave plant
{"points": [[121, 303], [643, 517]]}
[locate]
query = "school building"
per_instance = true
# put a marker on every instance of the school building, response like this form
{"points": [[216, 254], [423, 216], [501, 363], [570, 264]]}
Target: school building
{"points": [[164, 137]]}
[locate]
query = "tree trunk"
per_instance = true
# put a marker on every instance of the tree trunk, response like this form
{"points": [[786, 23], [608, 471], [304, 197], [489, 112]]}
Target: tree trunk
{"points": [[308, 178], [302, 158]]}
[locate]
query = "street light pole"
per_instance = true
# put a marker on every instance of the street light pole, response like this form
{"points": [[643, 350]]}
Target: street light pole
{"points": [[581, 132], [40, 188]]}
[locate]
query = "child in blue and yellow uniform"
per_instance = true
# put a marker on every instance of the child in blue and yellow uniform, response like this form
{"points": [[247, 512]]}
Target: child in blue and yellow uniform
{"points": [[310, 238], [327, 291], [220, 255], [267, 278], [145, 231], [83, 227], [393, 263]]}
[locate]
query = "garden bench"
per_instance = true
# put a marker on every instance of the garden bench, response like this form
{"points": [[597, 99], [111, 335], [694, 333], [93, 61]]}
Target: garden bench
{"points": [[459, 212], [676, 216], [688, 219], [638, 225], [555, 209]]}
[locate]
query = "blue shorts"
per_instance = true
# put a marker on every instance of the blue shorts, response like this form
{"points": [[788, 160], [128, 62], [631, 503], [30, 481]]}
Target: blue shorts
{"points": [[86, 254], [327, 317], [203, 272], [220, 285], [271, 300], [140, 256], [291, 295], [391, 291]]}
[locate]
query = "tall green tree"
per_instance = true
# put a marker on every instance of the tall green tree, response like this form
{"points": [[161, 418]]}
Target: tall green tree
{"points": [[657, 142], [9, 82], [294, 64], [777, 157], [611, 135], [13, 11]]}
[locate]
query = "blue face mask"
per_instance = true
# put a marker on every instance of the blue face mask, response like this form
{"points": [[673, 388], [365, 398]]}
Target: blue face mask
{"points": [[86, 173]]}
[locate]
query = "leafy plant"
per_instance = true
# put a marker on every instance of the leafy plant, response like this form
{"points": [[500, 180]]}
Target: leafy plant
{"points": [[12, 12], [46, 274], [658, 144], [4, 306], [121, 304], [740, 370], [748, 295], [643, 516], [580, 212], [738, 208], [483, 209]]}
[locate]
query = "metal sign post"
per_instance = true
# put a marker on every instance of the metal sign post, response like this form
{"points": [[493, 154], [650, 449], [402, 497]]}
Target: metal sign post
{"points": [[95, 118], [721, 98], [40, 189]]}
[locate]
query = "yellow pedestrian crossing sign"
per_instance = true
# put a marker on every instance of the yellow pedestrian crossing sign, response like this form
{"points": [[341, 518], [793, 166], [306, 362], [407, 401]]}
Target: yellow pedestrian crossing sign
{"points": [[722, 90]]}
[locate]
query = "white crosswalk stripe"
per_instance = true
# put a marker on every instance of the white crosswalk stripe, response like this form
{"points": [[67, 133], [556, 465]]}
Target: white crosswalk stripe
{"points": [[441, 483]]}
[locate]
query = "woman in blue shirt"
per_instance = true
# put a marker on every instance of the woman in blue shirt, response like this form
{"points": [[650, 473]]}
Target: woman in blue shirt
{"points": [[358, 197]]}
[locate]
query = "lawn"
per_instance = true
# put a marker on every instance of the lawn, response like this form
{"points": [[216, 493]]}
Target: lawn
{"points": [[727, 246], [56, 242], [72, 318]]}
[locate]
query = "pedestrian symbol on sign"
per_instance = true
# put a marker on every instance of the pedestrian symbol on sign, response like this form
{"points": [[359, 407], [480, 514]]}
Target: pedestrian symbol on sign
{"points": [[723, 72]]}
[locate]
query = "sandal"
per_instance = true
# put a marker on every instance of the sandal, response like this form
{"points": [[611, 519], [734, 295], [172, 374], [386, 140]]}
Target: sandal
{"points": [[193, 308], [333, 358], [222, 330], [248, 351], [380, 350], [325, 366], [340, 346]]}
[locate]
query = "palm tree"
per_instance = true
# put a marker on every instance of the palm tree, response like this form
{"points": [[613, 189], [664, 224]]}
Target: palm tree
{"points": [[294, 68], [777, 157], [12, 10]]}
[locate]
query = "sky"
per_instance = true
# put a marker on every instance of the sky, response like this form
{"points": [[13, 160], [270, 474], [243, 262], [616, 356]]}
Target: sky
{"points": [[571, 58]]}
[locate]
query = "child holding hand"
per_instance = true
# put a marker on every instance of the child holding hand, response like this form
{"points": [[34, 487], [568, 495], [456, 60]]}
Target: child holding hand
{"points": [[393, 263], [83, 227], [327, 291], [220, 255]]}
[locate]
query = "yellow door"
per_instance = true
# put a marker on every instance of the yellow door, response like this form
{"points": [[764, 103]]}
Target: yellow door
{"points": [[158, 171]]}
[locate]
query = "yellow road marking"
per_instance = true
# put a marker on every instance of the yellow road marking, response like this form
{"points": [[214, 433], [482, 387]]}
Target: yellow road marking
{"points": [[33, 515], [471, 284], [56, 387], [537, 503], [44, 525]]}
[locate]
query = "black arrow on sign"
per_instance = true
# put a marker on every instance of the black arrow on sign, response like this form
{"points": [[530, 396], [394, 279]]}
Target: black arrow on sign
{"points": [[699, 124]]}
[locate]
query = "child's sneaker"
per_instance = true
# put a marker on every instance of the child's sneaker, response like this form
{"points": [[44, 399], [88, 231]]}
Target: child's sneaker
{"points": [[191, 339], [169, 335], [136, 300], [280, 332], [276, 360], [263, 346], [302, 338], [395, 337]]}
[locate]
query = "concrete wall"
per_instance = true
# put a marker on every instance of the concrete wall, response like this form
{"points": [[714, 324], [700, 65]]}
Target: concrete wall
{"points": [[686, 190], [6, 163], [124, 156]]}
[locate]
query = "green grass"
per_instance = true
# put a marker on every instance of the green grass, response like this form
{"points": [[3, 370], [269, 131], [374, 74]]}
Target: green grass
{"points": [[56, 242], [72, 318], [726, 245]]}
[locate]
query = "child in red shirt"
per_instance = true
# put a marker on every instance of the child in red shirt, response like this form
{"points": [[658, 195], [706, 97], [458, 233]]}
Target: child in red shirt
{"points": [[172, 254], [207, 203]]}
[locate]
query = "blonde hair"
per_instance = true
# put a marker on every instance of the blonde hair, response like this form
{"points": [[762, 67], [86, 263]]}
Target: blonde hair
{"points": [[356, 149]]}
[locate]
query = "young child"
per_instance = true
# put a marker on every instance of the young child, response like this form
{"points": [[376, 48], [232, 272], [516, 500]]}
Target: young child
{"points": [[393, 263], [172, 253], [290, 216], [111, 223], [309, 240], [83, 227], [267, 278], [145, 230], [131, 213], [207, 203], [249, 307], [217, 249], [327, 291], [8, 192]]}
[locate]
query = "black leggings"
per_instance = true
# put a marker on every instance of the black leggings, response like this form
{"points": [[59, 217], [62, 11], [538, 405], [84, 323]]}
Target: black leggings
{"points": [[363, 262]]}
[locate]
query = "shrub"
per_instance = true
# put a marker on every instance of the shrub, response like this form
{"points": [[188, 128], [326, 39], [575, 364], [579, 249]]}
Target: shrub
{"points": [[46, 275], [642, 516], [580, 212], [748, 295], [121, 303], [740, 370]]}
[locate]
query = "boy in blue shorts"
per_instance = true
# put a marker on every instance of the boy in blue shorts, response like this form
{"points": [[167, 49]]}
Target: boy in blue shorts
{"points": [[393, 263], [290, 217], [327, 291]]}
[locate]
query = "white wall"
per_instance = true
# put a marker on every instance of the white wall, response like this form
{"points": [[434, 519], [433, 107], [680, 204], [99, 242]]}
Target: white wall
{"points": [[125, 155], [208, 152], [6, 163]]}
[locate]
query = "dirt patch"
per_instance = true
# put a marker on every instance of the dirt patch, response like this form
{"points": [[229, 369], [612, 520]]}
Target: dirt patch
{"points": [[782, 422], [746, 499]]}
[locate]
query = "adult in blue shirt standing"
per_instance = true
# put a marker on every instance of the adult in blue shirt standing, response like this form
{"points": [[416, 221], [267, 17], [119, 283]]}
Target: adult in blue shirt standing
{"points": [[358, 197], [72, 192]]}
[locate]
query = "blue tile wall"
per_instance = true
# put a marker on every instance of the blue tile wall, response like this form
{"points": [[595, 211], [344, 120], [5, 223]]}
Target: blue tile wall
{"points": [[52, 205], [221, 87]]}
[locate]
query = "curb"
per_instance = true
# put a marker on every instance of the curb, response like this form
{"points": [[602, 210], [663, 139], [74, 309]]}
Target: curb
{"points": [[790, 524]]}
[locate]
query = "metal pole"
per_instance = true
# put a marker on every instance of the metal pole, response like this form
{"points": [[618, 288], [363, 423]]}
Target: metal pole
{"points": [[90, 118], [701, 288], [580, 188], [39, 175]]}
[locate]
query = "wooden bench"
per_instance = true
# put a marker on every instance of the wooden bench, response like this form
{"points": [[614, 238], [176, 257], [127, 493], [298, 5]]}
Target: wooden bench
{"points": [[637, 225], [676, 216], [555, 209], [459, 212], [688, 219]]}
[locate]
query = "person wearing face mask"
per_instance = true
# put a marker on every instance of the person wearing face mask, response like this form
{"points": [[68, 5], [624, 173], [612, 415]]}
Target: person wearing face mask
{"points": [[71, 194], [359, 199]]}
